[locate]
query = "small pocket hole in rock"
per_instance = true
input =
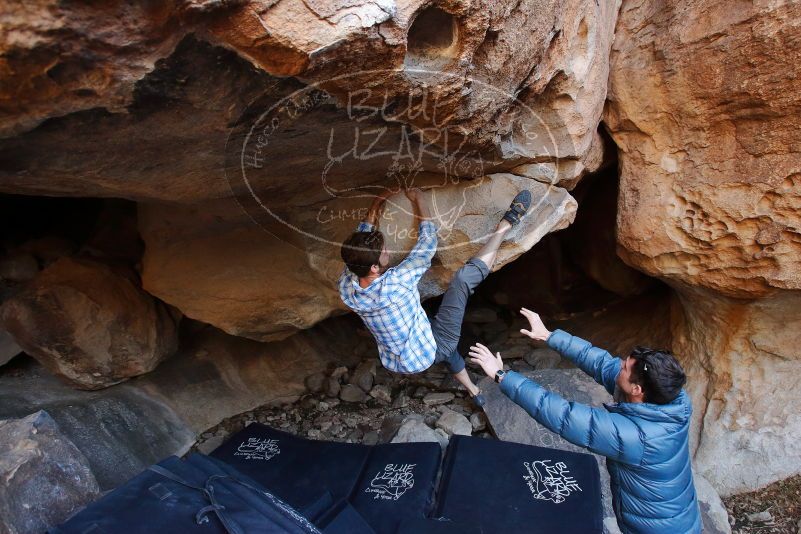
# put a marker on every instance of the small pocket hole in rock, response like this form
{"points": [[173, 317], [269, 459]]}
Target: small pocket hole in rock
{"points": [[433, 39]]}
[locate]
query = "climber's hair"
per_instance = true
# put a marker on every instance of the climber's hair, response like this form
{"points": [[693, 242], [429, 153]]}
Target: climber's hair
{"points": [[361, 251], [658, 373]]}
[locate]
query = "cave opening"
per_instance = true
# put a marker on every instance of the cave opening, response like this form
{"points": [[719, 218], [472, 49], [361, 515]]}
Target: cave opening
{"points": [[575, 280], [38, 230]]}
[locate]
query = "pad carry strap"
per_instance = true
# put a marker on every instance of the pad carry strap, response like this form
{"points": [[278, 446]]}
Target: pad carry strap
{"points": [[208, 491]]}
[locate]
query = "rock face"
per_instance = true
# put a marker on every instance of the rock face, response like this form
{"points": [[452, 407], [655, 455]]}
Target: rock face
{"points": [[703, 113], [45, 477], [90, 324], [454, 96], [120, 430], [552, 56], [710, 185], [97, 59], [217, 266], [125, 428], [743, 370]]}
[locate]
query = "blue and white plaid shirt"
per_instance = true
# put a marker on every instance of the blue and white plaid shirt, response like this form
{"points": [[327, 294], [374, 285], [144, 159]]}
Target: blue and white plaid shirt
{"points": [[390, 306]]}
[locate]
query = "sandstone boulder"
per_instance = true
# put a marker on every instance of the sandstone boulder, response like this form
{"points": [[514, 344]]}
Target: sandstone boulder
{"points": [[90, 324], [703, 112], [429, 117], [743, 368], [709, 186], [121, 430], [424, 65], [51, 69], [217, 265], [45, 477]]}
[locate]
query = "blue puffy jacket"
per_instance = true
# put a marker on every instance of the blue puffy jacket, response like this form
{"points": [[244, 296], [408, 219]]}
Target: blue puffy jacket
{"points": [[646, 445]]}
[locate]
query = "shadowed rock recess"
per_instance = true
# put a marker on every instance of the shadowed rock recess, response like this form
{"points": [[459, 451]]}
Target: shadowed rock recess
{"points": [[176, 177]]}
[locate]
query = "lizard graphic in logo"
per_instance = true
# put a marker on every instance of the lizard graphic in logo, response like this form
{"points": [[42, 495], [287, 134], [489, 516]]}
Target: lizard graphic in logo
{"points": [[550, 482], [258, 449], [392, 482]]}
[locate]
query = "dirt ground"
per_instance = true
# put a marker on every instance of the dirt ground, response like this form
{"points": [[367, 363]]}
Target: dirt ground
{"points": [[782, 500]]}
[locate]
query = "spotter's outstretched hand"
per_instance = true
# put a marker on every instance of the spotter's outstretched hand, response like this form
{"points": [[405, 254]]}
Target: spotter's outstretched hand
{"points": [[537, 330], [481, 355]]}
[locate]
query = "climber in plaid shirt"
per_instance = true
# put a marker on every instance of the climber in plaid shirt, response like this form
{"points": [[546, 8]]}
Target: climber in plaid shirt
{"points": [[388, 301]]}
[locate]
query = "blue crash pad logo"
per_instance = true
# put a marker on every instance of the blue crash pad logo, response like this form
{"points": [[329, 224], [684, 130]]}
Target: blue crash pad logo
{"points": [[549, 482], [258, 449], [391, 483]]}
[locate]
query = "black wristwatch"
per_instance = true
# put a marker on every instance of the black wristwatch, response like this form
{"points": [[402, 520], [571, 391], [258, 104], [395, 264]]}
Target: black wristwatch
{"points": [[499, 374]]}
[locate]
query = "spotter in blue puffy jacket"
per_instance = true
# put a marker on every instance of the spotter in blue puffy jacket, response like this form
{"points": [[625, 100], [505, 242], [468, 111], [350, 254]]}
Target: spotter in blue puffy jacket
{"points": [[645, 443]]}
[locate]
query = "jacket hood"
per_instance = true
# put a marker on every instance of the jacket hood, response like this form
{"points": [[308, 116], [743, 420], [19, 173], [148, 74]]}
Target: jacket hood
{"points": [[677, 412]]}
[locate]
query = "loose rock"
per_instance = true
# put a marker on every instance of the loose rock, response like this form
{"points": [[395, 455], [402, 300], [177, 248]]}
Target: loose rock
{"points": [[315, 383], [364, 375], [351, 393], [339, 372], [420, 392], [416, 431], [332, 387], [453, 423], [543, 358], [437, 398], [714, 517], [478, 421], [401, 400], [381, 393], [370, 438], [760, 517]]}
